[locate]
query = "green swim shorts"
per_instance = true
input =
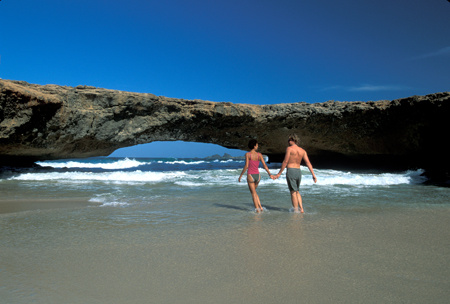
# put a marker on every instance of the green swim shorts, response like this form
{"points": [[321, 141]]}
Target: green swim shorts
{"points": [[293, 178]]}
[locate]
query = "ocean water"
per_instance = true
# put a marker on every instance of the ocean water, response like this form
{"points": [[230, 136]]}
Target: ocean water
{"points": [[116, 230], [168, 186]]}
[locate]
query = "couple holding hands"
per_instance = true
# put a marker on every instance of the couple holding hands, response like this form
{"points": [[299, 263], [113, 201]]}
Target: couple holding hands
{"points": [[292, 160]]}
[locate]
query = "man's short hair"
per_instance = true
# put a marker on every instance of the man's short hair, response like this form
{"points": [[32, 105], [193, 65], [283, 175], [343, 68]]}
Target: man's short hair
{"points": [[294, 138]]}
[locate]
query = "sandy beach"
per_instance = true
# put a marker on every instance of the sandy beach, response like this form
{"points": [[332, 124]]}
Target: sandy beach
{"points": [[125, 127], [393, 257], [185, 231]]}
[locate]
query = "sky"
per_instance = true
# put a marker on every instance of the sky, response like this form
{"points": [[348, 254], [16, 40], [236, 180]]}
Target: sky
{"points": [[239, 51]]}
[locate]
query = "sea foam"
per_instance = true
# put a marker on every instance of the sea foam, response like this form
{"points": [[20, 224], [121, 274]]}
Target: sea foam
{"points": [[116, 176], [114, 165], [202, 173]]}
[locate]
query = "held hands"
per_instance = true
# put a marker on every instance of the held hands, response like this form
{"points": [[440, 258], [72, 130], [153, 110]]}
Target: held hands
{"points": [[274, 177]]}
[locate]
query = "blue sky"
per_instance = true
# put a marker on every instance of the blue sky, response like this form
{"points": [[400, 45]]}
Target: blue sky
{"points": [[257, 51]]}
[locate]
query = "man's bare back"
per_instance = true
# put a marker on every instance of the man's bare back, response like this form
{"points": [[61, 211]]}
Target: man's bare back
{"points": [[295, 154], [292, 160]]}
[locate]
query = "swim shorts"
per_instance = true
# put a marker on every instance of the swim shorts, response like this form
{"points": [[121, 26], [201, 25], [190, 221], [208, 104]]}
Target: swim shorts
{"points": [[293, 178]]}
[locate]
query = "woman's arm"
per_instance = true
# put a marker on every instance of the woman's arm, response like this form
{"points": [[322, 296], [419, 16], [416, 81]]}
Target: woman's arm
{"points": [[261, 158], [245, 167]]}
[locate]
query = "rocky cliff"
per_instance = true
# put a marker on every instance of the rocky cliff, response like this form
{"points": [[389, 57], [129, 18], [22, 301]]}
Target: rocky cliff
{"points": [[50, 122]]}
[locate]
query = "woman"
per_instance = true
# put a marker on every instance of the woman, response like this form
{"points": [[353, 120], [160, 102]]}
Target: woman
{"points": [[252, 160]]}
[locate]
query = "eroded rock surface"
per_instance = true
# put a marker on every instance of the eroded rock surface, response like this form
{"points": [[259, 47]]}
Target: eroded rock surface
{"points": [[52, 122]]}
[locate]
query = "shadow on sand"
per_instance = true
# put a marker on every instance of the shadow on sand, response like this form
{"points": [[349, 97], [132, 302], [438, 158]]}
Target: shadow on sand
{"points": [[233, 207], [250, 208]]}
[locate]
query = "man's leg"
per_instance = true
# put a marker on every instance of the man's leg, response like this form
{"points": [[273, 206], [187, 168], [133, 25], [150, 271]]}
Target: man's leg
{"points": [[296, 199], [299, 199]]}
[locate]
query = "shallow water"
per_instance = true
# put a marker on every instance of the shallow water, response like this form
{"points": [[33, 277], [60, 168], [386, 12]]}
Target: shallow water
{"points": [[184, 231]]}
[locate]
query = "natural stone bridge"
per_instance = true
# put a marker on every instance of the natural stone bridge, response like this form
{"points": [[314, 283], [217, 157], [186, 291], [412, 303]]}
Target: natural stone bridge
{"points": [[50, 122]]}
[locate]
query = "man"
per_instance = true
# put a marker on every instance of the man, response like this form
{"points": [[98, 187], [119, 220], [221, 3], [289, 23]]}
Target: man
{"points": [[292, 160]]}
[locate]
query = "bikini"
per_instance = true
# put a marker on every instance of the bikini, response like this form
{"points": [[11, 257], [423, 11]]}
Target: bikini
{"points": [[253, 170]]}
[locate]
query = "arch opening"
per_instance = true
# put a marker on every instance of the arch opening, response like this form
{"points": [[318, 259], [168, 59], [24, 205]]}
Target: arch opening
{"points": [[175, 149]]}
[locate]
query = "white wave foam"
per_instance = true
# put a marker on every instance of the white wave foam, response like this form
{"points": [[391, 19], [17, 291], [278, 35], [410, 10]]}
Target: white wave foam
{"points": [[118, 176], [333, 177], [105, 200], [190, 184], [231, 161], [199, 178], [119, 164], [181, 162], [114, 204]]}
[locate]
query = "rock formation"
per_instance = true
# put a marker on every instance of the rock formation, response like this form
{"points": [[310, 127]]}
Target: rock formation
{"points": [[53, 122]]}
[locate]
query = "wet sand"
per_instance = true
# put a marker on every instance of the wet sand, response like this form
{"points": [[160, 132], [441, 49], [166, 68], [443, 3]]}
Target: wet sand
{"points": [[384, 257], [20, 205]]}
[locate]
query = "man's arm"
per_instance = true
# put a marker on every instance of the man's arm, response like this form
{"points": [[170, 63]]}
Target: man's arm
{"points": [[285, 162], [308, 164]]}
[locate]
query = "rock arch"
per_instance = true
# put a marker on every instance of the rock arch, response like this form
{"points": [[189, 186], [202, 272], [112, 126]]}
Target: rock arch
{"points": [[50, 122]]}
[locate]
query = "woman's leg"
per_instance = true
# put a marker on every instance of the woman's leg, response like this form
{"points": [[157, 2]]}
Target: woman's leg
{"points": [[252, 187]]}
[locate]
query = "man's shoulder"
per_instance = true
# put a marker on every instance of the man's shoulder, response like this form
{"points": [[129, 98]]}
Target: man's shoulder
{"points": [[299, 150], [294, 147]]}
